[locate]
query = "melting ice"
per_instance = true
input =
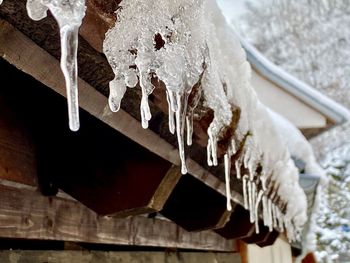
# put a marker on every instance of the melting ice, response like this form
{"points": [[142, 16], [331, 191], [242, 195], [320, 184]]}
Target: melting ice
{"points": [[69, 15], [183, 44]]}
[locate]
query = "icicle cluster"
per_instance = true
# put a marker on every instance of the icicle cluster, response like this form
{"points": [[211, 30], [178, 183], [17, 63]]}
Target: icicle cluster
{"points": [[69, 15], [197, 46], [187, 44], [179, 64]]}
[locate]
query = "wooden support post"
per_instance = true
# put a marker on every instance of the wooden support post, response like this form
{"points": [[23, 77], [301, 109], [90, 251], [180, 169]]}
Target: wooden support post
{"points": [[239, 225], [195, 206]]}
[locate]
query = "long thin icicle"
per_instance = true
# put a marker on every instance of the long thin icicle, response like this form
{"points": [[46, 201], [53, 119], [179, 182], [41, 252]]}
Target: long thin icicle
{"points": [[180, 127], [245, 195], [227, 179], [258, 200], [69, 15]]}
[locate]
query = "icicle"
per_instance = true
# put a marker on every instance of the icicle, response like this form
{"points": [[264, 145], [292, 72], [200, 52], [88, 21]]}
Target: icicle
{"points": [[245, 198], [69, 15], [210, 163], [180, 127], [258, 200], [238, 169], [117, 90], [171, 115], [189, 128], [264, 204], [269, 213], [274, 216], [146, 88], [69, 66], [250, 201], [227, 178], [254, 196], [212, 148]]}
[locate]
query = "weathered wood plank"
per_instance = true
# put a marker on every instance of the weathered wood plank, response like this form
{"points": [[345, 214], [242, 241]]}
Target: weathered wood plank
{"points": [[109, 257], [27, 214], [20, 51]]}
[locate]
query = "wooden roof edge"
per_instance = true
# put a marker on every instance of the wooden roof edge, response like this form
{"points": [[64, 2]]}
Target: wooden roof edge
{"points": [[28, 57]]}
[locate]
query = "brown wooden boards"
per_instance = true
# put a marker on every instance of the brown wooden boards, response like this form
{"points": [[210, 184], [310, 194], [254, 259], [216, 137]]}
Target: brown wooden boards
{"points": [[110, 257], [27, 214], [269, 239], [195, 206], [261, 237], [239, 225]]}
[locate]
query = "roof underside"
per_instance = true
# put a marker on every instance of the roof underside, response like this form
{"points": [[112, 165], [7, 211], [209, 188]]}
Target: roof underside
{"points": [[95, 74]]}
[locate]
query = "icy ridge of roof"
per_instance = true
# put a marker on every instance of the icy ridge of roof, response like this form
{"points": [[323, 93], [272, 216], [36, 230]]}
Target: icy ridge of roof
{"points": [[333, 110]]}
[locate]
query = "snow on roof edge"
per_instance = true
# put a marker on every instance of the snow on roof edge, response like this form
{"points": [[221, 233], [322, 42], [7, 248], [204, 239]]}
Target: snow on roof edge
{"points": [[331, 109]]}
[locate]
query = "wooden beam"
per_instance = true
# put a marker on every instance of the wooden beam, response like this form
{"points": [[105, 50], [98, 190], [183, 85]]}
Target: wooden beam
{"points": [[239, 225], [20, 51], [269, 240], [262, 236], [18, 256], [195, 206], [26, 214]]}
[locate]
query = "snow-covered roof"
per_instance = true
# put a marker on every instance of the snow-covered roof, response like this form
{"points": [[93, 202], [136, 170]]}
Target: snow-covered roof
{"points": [[196, 49], [329, 108]]}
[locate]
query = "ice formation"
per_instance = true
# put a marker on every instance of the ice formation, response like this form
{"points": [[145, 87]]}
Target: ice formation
{"points": [[187, 45], [187, 42], [301, 149], [69, 15]]}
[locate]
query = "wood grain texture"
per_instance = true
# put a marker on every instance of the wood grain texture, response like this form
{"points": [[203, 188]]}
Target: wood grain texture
{"points": [[27, 214], [113, 257]]}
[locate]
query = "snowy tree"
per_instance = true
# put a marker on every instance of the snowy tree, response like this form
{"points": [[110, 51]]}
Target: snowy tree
{"points": [[333, 221], [308, 38]]}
